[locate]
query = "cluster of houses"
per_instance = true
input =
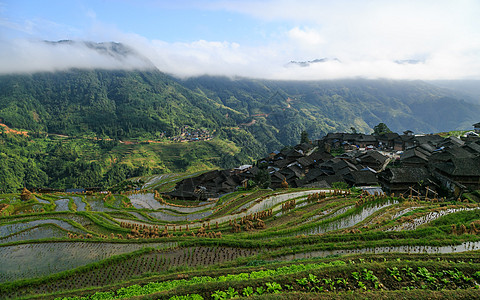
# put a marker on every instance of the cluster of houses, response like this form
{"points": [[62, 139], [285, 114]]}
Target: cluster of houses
{"points": [[188, 134], [418, 164]]}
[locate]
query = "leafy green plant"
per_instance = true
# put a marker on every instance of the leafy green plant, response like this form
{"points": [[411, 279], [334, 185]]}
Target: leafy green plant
{"points": [[303, 281], [395, 273], [219, 295], [409, 271], [273, 287], [260, 290], [231, 293], [342, 281], [247, 291], [356, 275], [313, 279]]}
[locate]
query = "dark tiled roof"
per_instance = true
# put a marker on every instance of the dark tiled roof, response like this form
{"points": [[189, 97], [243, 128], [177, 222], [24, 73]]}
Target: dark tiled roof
{"points": [[452, 141], [377, 156], [472, 148], [413, 153], [366, 138], [405, 175], [322, 184], [460, 166], [363, 178], [431, 138], [318, 156], [305, 161], [389, 136]]}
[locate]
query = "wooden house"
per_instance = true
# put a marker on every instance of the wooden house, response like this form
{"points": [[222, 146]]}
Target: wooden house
{"points": [[400, 180]]}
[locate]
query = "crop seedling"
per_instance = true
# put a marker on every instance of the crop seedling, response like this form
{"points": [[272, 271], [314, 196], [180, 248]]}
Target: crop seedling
{"points": [[409, 272], [356, 275], [260, 290], [231, 293], [273, 287], [219, 295], [395, 273], [247, 291], [303, 281], [313, 279], [342, 281], [362, 285]]}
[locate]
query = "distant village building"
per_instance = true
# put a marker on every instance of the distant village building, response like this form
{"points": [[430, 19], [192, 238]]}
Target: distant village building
{"points": [[427, 162], [476, 127]]}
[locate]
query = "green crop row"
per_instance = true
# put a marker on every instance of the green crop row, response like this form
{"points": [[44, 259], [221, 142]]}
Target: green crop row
{"points": [[154, 287]]}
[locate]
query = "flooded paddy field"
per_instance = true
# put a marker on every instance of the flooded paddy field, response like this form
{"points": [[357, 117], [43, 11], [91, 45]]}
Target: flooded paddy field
{"points": [[65, 233]]}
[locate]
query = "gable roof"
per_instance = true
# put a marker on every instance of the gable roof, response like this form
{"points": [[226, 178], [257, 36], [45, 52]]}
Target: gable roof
{"points": [[432, 139], [389, 136], [414, 152], [405, 175], [305, 161], [375, 155], [364, 177], [472, 148], [460, 166]]}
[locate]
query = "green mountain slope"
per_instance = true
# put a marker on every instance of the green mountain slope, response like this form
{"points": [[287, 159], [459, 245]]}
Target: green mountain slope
{"points": [[247, 118], [326, 106]]}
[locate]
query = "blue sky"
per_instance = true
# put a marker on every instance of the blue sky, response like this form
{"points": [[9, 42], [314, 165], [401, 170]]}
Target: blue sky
{"points": [[408, 39], [170, 21]]}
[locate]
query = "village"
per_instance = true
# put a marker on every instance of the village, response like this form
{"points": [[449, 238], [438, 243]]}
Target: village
{"points": [[406, 164]]}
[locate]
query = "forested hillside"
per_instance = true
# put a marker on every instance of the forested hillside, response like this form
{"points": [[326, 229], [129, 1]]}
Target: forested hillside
{"points": [[97, 109], [328, 106]]}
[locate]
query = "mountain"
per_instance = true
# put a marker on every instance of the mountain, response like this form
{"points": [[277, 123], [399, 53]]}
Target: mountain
{"points": [[247, 119], [130, 104], [327, 106]]}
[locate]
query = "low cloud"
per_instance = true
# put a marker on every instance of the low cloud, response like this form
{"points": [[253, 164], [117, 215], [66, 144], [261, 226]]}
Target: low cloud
{"points": [[229, 59], [27, 56], [368, 39]]}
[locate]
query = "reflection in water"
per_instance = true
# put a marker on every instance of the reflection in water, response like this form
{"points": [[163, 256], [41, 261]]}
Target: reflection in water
{"points": [[467, 246]]}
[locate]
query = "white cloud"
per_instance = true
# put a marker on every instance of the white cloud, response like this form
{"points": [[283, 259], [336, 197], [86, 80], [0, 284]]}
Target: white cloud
{"points": [[307, 36], [25, 56], [366, 36]]}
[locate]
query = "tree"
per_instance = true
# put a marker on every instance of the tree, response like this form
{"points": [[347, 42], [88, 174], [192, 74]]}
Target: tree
{"points": [[353, 129], [380, 129], [304, 137], [262, 178]]}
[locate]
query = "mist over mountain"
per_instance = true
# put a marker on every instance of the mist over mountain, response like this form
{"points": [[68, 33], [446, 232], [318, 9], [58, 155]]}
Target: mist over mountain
{"points": [[31, 56]]}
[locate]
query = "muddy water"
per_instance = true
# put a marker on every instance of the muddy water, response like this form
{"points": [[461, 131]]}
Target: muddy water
{"points": [[35, 234], [325, 215], [40, 259], [268, 203], [468, 246], [8, 229], [162, 216], [98, 205], [265, 204], [429, 217], [144, 201], [62, 205], [345, 222], [79, 203]]}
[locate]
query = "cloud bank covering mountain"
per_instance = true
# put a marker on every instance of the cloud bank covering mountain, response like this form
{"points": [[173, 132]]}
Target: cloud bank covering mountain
{"points": [[369, 39]]}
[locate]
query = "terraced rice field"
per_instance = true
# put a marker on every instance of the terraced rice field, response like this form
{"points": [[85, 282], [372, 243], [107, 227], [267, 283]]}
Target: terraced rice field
{"points": [[138, 244]]}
